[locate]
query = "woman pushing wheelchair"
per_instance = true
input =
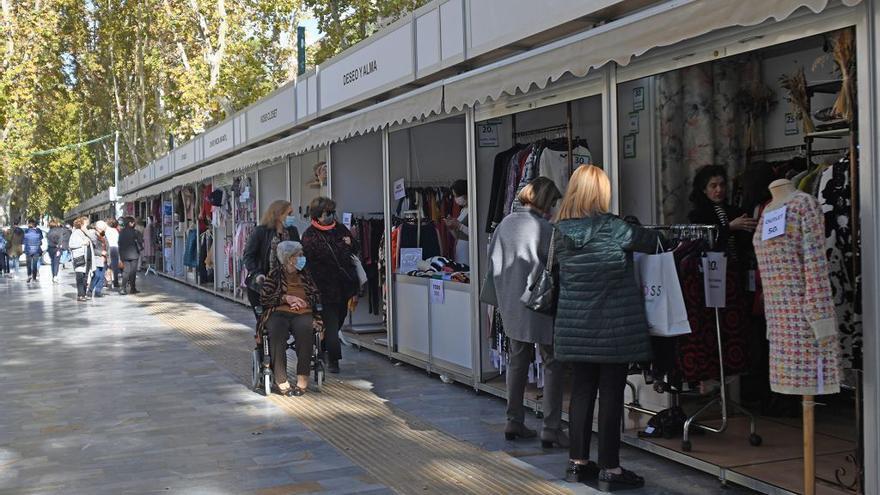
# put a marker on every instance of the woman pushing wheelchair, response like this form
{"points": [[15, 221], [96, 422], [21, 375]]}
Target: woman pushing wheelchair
{"points": [[291, 304]]}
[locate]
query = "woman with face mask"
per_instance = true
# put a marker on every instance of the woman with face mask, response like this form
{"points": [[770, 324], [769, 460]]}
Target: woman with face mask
{"points": [[329, 247], [459, 226], [260, 253], [291, 306]]}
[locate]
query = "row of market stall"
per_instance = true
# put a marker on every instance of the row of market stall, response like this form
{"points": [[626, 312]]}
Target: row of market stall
{"points": [[650, 91]]}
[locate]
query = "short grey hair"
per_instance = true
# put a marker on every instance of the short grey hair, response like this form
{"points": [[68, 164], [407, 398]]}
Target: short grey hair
{"points": [[286, 249]]}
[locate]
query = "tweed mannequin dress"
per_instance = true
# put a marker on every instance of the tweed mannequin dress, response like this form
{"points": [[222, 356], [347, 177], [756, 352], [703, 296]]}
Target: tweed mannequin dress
{"points": [[804, 345]]}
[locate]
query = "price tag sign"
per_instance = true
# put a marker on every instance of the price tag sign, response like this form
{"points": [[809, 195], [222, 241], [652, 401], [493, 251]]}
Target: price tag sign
{"points": [[774, 224], [399, 189], [438, 296], [488, 135], [715, 279], [409, 259], [346, 220]]}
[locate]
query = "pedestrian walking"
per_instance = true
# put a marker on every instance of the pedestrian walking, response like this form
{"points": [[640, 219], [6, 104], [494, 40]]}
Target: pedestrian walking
{"points": [[130, 247], [15, 248], [65, 246], [112, 236], [55, 240], [600, 324], [99, 259], [4, 256], [517, 257], [33, 249], [260, 252], [82, 256], [330, 251]]}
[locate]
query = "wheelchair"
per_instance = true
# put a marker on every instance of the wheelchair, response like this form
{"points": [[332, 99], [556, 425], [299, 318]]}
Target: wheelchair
{"points": [[262, 376]]}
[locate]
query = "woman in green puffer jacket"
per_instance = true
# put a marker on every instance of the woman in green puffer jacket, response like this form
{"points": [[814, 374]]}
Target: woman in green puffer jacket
{"points": [[600, 324]]}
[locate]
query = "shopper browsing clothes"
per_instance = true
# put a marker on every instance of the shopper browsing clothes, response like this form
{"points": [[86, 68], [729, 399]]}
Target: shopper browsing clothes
{"points": [[82, 255], [600, 324], [33, 249], [709, 198], [517, 256], [330, 251], [260, 253], [99, 259], [291, 306]]}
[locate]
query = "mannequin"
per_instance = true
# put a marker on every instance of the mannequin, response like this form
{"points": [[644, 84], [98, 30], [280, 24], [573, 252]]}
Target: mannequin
{"points": [[801, 327]]}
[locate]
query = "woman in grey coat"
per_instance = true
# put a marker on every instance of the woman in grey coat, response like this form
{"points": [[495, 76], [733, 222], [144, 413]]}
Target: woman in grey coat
{"points": [[517, 255]]}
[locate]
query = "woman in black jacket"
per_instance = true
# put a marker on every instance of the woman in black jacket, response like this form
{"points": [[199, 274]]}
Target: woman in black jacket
{"points": [[260, 253], [329, 249], [709, 197], [55, 240]]}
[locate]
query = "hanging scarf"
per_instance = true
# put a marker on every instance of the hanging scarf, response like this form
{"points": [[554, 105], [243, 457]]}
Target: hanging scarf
{"points": [[323, 228]]}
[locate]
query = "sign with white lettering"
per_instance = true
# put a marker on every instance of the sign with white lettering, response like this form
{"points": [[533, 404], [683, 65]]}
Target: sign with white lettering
{"points": [[409, 259], [184, 156], [271, 114], [386, 61], [774, 224], [218, 140]]}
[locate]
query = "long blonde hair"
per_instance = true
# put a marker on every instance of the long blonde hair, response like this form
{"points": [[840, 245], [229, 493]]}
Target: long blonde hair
{"points": [[275, 213], [588, 194]]}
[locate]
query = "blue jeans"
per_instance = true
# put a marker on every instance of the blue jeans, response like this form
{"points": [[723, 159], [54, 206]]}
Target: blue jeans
{"points": [[13, 263], [97, 281], [56, 261], [33, 265]]}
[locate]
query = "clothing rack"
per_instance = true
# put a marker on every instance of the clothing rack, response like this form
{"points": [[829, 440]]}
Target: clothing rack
{"points": [[710, 234], [800, 148]]}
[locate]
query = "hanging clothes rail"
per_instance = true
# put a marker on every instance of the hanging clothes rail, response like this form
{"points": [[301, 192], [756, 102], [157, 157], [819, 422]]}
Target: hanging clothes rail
{"points": [[709, 233]]}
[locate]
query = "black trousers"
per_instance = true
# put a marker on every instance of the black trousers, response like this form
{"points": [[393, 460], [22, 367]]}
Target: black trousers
{"points": [[4, 262], [81, 279], [334, 317], [280, 325], [609, 380], [129, 275]]}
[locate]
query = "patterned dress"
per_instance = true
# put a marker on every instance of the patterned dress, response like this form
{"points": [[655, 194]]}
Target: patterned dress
{"points": [[801, 328]]}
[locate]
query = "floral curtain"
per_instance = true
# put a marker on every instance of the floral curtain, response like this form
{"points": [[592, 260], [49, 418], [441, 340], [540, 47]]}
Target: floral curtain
{"points": [[701, 124]]}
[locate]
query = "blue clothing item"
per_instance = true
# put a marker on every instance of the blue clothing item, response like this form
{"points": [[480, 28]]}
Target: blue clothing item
{"points": [[33, 241], [33, 266], [97, 284], [190, 258]]}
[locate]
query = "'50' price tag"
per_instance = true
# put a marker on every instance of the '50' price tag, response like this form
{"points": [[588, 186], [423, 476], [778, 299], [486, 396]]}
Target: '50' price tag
{"points": [[774, 224]]}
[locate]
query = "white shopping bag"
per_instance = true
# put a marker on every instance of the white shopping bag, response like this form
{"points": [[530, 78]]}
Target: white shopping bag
{"points": [[715, 279], [664, 302]]}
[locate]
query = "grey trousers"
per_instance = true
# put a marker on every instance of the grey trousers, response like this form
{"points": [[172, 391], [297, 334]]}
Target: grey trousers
{"points": [[518, 376]]}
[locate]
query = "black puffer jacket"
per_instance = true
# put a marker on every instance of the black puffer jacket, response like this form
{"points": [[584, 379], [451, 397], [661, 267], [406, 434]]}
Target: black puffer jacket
{"points": [[258, 250], [601, 312]]}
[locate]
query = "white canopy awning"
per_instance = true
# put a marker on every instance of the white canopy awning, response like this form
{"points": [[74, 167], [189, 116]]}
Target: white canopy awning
{"points": [[402, 109], [619, 41]]}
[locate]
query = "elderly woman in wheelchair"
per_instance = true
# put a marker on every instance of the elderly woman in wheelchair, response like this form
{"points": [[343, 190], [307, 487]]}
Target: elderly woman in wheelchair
{"points": [[290, 304]]}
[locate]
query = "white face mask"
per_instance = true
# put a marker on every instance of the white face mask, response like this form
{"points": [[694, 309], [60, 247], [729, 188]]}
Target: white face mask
{"points": [[460, 200]]}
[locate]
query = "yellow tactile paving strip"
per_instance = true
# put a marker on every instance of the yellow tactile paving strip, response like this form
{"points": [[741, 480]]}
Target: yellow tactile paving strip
{"points": [[400, 451]]}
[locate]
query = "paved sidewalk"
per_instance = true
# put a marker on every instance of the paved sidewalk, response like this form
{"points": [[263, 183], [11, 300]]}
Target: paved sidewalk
{"points": [[112, 397]]}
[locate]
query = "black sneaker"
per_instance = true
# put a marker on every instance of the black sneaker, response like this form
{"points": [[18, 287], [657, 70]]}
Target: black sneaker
{"points": [[333, 367], [580, 473], [609, 482]]}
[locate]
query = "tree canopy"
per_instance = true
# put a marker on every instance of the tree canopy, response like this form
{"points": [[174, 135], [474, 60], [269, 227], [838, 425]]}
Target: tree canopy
{"points": [[75, 70]]}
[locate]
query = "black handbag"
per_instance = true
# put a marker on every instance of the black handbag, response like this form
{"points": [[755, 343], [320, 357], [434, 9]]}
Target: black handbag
{"points": [[542, 293], [79, 261]]}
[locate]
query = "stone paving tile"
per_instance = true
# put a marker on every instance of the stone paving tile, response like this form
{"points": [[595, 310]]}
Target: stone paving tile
{"points": [[103, 398]]}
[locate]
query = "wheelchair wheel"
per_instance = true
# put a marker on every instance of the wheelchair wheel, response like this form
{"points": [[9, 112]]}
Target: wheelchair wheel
{"points": [[267, 384], [318, 368]]}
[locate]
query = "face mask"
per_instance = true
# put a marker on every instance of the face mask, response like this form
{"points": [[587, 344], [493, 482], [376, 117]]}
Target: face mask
{"points": [[290, 221], [300, 262], [460, 201], [329, 218]]}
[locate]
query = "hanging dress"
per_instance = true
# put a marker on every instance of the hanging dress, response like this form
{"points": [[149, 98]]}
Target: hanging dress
{"points": [[801, 328]]}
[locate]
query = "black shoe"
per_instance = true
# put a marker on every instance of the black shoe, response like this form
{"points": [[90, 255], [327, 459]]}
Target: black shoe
{"points": [[134, 291], [608, 482], [287, 393], [580, 473], [333, 367], [515, 430]]}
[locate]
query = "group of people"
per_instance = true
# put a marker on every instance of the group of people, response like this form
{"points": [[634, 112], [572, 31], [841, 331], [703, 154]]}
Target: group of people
{"points": [[106, 252], [598, 324], [17, 241], [301, 286]]}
